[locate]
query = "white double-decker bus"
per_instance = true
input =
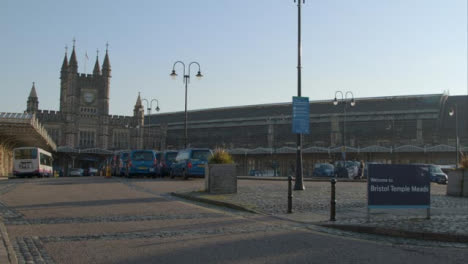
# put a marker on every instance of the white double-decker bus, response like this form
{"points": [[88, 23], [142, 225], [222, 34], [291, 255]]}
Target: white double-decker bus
{"points": [[32, 161]]}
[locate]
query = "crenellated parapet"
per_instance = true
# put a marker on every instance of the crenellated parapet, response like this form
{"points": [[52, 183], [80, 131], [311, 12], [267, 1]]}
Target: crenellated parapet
{"points": [[121, 120], [50, 116]]}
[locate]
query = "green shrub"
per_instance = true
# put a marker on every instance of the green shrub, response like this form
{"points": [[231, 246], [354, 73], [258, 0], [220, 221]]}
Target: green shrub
{"points": [[220, 156]]}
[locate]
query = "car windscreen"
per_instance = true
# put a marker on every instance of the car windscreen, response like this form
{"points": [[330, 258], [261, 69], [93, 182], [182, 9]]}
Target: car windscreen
{"points": [[435, 169], [326, 167], [201, 154], [142, 156]]}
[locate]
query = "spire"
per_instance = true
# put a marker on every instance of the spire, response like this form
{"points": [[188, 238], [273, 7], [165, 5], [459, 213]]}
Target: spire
{"points": [[139, 112], [65, 61], [97, 69], [106, 67], [138, 102], [33, 93], [32, 104], [73, 62]]}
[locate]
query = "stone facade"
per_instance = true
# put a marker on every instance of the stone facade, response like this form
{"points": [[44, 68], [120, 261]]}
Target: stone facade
{"points": [[83, 121], [397, 129]]}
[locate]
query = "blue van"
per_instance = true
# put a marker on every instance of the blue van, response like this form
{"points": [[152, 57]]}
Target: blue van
{"points": [[142, 162], [165, 163], [191, 162]]}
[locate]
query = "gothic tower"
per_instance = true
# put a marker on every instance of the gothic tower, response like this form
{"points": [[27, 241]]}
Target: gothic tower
{"points": [[63, 83], [139, 121], [106, 75], [139, 113], [33, 101]]}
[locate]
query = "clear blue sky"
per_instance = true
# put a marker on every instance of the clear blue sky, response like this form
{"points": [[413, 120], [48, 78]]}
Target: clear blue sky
{"points": [[247, 49]]}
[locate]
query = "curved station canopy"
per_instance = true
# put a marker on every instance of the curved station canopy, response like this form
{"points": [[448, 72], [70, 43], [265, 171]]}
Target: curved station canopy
{"points": [[24, 130]]}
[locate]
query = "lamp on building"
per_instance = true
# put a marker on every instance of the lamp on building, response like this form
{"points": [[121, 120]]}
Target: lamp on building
{"points": [[149, 105], [454, 112], [344, 101], [186, 81]]}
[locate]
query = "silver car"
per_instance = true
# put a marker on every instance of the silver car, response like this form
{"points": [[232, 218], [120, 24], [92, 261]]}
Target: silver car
{"points": [[76, 172]]}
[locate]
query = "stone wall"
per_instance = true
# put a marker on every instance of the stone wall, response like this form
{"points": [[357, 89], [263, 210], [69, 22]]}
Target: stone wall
{"points": [[6, 160]]}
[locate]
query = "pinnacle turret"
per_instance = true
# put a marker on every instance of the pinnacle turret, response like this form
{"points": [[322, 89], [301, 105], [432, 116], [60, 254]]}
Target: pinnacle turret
{"points": [[97, 69], [73, 62], [106, 67], [138, 104], [65, 63], [32, 105], [33, 93]]}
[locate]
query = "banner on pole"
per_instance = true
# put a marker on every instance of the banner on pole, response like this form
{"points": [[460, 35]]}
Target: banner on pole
{"points": [[301, 115]]}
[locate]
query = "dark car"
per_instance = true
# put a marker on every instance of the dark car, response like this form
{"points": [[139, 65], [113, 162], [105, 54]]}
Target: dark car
{"points": [[323, 170], [347, 169], [191, 162]]}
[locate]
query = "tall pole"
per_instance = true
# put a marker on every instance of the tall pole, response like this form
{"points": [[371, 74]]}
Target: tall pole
{"points": [[344, 131], [344, 101], [299, 184], [186, 78], [456, 135]]}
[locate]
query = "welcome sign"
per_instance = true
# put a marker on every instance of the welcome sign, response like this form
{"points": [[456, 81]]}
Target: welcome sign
{"points": [[398, 186]]}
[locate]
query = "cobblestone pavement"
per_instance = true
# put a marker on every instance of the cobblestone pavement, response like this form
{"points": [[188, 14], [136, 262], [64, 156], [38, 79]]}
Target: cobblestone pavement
{"points": [[449, 215], [98, 220]]}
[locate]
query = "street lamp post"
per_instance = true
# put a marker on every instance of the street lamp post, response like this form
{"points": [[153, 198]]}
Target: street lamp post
{"points": [[186, 81], [299, 183], [344, 100], [149, 106], [454, 112]]}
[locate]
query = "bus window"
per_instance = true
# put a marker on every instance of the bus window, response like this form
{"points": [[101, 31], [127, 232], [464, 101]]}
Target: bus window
{"points": [[21, 154], [45, 159]]}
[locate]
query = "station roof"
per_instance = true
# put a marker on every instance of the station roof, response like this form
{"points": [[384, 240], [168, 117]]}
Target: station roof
{"points": [[24, 130], [429, 102]]}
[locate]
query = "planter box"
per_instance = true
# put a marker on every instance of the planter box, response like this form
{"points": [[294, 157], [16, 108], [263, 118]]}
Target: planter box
{"points": [[458, 183], [220, 178]]}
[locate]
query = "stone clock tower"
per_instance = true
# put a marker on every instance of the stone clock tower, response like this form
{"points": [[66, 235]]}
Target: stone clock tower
{"points": [[83, 121], [84, 100]]}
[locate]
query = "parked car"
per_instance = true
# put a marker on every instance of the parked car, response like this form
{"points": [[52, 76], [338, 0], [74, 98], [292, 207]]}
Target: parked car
{"points": [[92, 171], [436, 174], [190, 162], [167, 158], [142, 162], [347, 169], [76, 172], [323, 170]]}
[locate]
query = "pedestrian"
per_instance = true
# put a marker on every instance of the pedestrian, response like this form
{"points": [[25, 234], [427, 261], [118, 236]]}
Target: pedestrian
{"points": [[361, 170]]}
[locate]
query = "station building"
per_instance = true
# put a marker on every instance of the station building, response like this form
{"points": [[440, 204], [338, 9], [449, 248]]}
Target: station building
{"points": [[392, 129]]}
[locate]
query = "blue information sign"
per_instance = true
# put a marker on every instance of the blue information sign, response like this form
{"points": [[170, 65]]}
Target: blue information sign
{"points": [[301, 115], [398, 186]]}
